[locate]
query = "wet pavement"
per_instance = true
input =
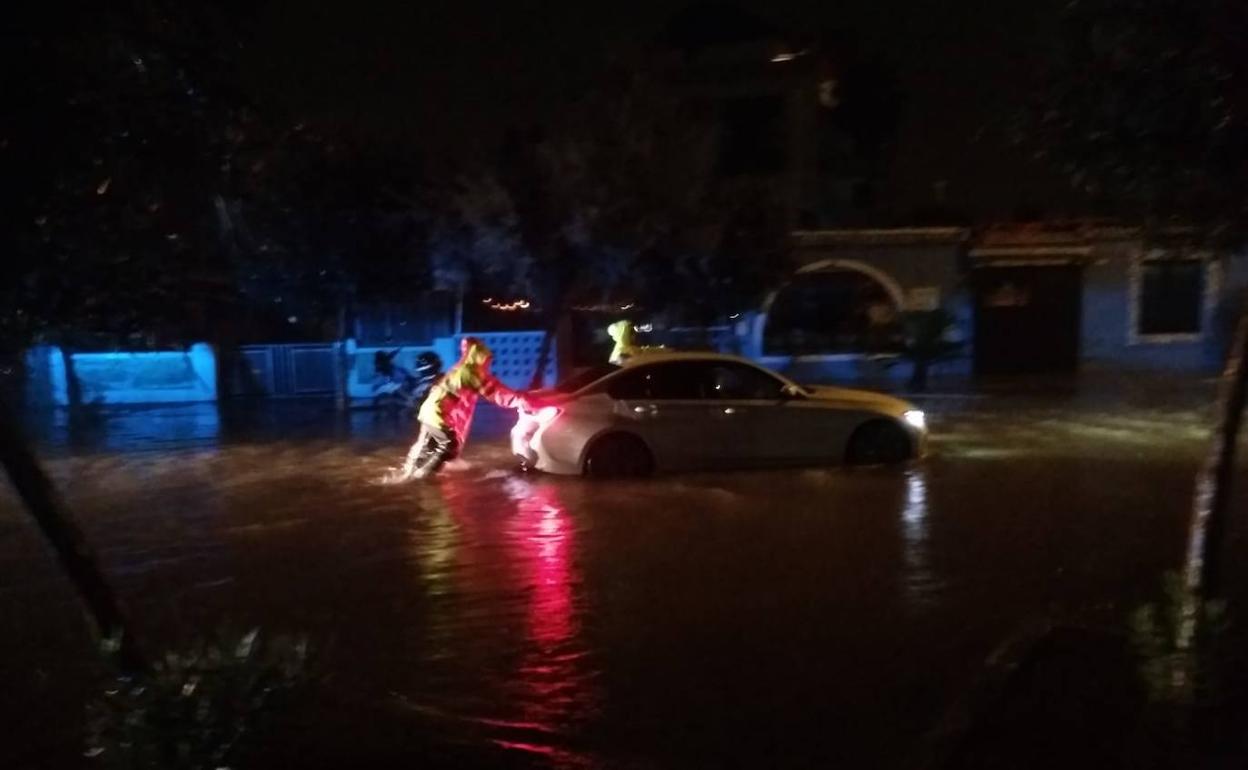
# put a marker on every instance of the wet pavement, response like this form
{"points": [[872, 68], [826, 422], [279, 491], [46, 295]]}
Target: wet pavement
{"points": [[808, 618]]}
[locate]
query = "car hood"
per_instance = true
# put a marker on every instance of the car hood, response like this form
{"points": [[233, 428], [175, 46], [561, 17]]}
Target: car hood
{"points": [[860, 399]]}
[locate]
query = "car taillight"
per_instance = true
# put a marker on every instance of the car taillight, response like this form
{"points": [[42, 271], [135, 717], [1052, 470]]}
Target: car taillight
{"points": [[529, 427], [546, 415]]}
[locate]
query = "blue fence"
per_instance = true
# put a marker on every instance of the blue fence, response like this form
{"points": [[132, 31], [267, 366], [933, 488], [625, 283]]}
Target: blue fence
{"points": [[515, 359]]}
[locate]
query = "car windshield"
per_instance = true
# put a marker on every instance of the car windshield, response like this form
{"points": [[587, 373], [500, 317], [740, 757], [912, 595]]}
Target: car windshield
{"points": [[586, 377]]}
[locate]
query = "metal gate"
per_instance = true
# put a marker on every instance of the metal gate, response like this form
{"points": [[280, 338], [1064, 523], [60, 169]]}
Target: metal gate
{"points": [[282, 370], [1027, 318]]}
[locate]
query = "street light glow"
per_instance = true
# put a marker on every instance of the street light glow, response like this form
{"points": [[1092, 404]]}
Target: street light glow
{"points": [[508, 307], [787, 56]]}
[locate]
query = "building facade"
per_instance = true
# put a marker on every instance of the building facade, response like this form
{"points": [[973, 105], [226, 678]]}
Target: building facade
{"points": [[805, 114], [1024, 299]]}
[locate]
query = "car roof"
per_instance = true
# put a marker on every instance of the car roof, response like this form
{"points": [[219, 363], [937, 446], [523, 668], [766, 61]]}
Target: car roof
{"points": [[666, 355], [663, 355]]}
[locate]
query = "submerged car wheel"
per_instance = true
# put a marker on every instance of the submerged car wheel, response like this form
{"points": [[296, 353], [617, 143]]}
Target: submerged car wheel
{"points": [[618, 456], [879, 442]]}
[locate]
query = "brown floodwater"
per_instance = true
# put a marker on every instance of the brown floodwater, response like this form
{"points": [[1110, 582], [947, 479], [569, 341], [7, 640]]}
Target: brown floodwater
{"points": [[808, 618]]}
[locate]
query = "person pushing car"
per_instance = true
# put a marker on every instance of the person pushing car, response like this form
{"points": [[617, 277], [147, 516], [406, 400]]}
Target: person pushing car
{"points": [[446, 414]]}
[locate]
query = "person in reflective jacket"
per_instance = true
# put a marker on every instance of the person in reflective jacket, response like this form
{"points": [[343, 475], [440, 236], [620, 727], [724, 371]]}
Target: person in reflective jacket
{"points": [[446, 414], [621, 332]]}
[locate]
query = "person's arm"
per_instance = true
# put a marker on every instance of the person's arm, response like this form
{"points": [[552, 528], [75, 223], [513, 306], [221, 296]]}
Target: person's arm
{"points": [[498, 393]]}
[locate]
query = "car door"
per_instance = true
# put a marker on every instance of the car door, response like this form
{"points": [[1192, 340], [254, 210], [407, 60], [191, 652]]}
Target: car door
{"points": [[828, 420], [665, 404], [813, 431], [753, 422]]}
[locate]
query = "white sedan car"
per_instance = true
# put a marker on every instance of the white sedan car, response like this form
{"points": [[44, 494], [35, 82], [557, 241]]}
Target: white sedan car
{"points": [[665, 411]]}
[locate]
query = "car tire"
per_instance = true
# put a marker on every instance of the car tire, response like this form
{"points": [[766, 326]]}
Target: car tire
{"points": [[618, 455], [879, 442]]}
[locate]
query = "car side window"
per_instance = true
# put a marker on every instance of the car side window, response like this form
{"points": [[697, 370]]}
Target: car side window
{"points": [[658, 382], [743, 383]]}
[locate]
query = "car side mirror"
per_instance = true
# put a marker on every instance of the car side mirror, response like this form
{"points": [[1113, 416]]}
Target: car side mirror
{"points": [[791, 392]]}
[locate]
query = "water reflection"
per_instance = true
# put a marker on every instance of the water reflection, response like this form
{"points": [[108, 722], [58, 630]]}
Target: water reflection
{"points": [[507, 610], [542, 529], [435, 543], [920, 581], [555, 684], [128, 429]]}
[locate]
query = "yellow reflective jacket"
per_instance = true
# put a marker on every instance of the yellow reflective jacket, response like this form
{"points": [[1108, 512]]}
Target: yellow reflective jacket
{"points": [[453, 398], [622, 333]]}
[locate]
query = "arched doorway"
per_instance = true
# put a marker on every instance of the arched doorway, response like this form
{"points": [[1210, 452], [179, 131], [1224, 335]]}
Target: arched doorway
{"points": [[834, 306]]}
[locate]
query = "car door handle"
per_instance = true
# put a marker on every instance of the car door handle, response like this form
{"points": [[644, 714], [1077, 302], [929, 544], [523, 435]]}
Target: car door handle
{"points": [[648, 410], [732, 410]]}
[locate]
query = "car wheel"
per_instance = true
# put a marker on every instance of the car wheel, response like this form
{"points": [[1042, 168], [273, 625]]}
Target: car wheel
{"points": [[618, 456], [879, 442]]}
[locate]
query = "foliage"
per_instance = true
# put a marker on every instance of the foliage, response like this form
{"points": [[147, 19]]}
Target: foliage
{"points": [[324, 226], [196, 708], [616, 199], [927, 337], [118, 150], [1143, 106], [153, 198], [1172, 674], [747, 253]]}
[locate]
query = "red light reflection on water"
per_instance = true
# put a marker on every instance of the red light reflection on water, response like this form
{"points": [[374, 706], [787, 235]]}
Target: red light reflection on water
{"points": [[553, 672], [551, 621], [551, 689]]}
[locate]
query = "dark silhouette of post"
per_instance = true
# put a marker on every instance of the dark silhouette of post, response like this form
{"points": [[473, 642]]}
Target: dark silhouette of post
{"points": [[67, 541], [1207, 530]]}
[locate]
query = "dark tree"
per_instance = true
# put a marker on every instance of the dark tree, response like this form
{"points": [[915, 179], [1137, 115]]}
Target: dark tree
{"points": [[618, 198], [117, 156], [1145, 107], [118, 137], [323, 228]]}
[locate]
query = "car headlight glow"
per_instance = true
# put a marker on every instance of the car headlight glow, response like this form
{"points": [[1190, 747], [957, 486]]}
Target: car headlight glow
{"points": [[915, 418]]}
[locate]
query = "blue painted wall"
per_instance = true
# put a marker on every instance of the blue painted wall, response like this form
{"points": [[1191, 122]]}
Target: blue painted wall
{"points": [[170, 377], [1106, 341], [159, 377]]}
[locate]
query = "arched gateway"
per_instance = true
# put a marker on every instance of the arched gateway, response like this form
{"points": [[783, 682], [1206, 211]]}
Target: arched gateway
{"points": [[829, 307]]}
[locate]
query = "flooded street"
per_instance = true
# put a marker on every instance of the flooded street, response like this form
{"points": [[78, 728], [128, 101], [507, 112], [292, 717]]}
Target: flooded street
{"points": [[810, 618]]}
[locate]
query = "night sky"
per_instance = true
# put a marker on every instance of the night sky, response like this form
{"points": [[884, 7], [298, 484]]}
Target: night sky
{"points": [[435, 77]]}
